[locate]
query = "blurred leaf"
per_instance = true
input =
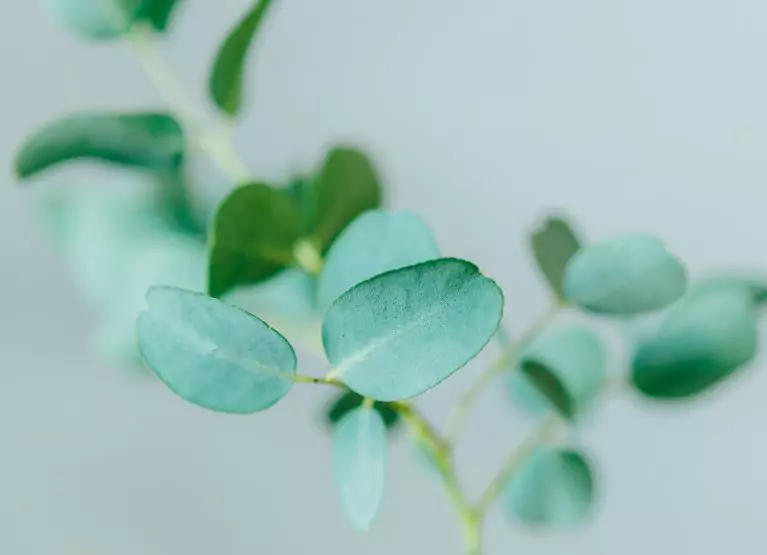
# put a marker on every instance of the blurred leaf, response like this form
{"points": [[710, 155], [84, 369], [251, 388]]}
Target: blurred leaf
{"points": [[150, 141], [626, 275], [359, 465], [347, 401], [553, 488], [401, 333], [226, 77], [554, 244], [176, 202], [95, 19], [157, 12], [212, 354], [346, 186], [567, 366], [375, 242], [701, 341], [254, 232]]}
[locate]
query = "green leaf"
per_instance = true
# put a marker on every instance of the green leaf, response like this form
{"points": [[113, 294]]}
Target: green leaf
{"points": [[347, 401], [212, 354], [254, 232], [150, 141], [157, 12], [346, 186], [553, 488], [225, 83], [401, 333], [703, 340], [374, 243], [95, 19], [567, 366], [630, 274], [359, 465], [554, 244]]}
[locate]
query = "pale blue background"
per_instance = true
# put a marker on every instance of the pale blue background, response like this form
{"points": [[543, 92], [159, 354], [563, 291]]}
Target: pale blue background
{"points": [[483, 115]]}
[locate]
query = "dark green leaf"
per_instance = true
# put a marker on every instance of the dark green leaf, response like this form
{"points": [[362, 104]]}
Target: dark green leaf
{"points": [[349, 400], [702, 341], [553, 246], [254, 232], [212, 354], [226, 77], [401, 333], [550, 387], [148, 141], [626, 275], [157, 12], [346, 186], [554, 488]]}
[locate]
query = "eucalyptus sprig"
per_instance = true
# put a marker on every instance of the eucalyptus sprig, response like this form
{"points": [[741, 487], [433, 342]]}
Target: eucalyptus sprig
{"points": [[318, 258]]}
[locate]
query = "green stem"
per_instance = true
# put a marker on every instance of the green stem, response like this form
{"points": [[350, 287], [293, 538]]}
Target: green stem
{"points": [[216, 142], [300, 378]]}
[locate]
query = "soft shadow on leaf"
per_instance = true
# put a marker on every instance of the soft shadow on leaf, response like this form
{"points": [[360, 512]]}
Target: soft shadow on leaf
{"points": [[553, 245]]}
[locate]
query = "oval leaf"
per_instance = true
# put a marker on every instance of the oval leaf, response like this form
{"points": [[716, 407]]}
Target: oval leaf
{"points": [[254, 231], [212, 354], [346, 186], [630, 274], [359, 465], [401, 333], [347, 401], [95, 19], [150, 141], [374, 243], [225, 83], [700, 342], [554, 244], [567, 366], [554, 487]]}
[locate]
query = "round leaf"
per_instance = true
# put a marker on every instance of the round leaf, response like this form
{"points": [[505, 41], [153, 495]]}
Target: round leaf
{"points": [[554, 487], [630, 274], [254, 231], [567, 366], [359, 465], [401, 333], [95, 19], [347, 401], [212, 354], [374, 243], [554, 244], [700, 342]]}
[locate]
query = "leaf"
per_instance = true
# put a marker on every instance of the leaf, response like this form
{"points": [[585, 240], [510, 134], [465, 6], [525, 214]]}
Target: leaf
{"points": [[225, 83], [701, 341], [630, 274], [374, 243], [401, 333], [95, 19], [359, 465], [157, 12], [554, 244], [152, 141], [254, 231], [567, 366], [212, 354], [553, 488], [347, 401], [346, 186]]}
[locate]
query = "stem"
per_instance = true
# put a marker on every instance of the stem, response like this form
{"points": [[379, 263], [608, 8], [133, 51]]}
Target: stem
{"points": [[545, 433], [216, 142], [300, 378], [498, 366]]}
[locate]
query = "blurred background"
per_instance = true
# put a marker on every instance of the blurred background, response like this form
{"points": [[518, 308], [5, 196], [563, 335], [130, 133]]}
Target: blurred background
{"points": [[483, 117]]}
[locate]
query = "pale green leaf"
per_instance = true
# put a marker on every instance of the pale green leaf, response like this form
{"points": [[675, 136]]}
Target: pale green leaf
{"points": [[226, 78], [359, 465], [254, 231], [554, 244], [553, 488], [95, 19], [703, 340], [213, 354], [374, 243], [630, 274], [151, 141], [401, 333]]}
